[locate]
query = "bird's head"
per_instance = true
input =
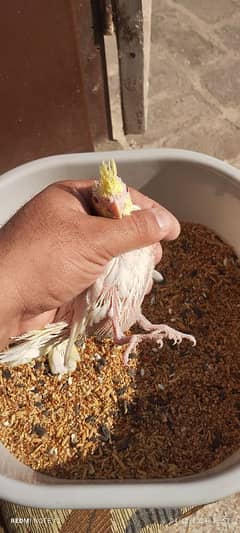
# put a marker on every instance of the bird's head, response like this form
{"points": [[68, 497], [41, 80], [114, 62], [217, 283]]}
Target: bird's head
{"points": [[110, 195]]}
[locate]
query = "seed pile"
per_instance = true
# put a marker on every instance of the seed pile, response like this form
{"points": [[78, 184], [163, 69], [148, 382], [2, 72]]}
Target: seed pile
{"points": [[171, 412]]}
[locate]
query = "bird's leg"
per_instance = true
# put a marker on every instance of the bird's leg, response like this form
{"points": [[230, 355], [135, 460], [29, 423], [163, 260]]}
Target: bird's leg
{"points": [[118, 335], [119, 338], [114, 316], [158, 332]]}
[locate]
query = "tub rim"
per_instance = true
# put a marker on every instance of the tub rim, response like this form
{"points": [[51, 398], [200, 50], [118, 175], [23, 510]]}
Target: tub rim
{"points": [[172, 492]]}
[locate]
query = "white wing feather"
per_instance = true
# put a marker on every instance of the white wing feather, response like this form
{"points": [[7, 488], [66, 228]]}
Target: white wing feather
{"points": [[32, 344]]}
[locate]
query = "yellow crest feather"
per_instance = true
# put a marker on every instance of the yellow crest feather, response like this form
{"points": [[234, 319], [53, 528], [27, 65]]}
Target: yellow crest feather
{"points": [[109, 182]]}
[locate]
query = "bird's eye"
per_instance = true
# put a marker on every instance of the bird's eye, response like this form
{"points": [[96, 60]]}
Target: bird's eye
{"points": [[96, 199]]}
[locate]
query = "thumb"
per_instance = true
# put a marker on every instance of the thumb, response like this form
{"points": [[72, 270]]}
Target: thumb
{"points": [[141, 228]]}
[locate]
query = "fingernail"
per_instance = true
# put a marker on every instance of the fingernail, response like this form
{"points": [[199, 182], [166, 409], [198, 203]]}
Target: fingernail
{"points": [[163, 218]]}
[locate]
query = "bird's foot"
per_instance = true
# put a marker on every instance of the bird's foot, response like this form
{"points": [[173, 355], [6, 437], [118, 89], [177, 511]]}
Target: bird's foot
{"points": [[156, 332], [132, 342], [160, 332]]}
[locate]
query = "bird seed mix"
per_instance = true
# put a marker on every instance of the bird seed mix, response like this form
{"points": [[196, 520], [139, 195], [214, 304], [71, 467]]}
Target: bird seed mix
{"points": [[171, 412]]}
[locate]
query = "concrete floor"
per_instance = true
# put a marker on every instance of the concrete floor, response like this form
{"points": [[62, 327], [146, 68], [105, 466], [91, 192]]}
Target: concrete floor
{"points": [[194, 96], [194, 103]]}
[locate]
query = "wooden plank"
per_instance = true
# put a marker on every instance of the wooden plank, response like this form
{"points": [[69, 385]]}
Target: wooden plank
{"points": [[53, 83], [107, 16], [89, 35], [42, 105], [133, 30]]}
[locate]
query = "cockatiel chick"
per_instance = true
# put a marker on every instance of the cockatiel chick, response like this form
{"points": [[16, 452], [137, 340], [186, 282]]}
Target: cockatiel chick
{"points": [[110, 306]]}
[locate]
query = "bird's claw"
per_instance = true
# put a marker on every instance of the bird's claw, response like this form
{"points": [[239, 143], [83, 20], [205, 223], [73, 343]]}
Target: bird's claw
{"points": [[158, 333]]}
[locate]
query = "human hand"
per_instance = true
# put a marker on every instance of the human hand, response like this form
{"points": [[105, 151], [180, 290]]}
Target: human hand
{"points": [[54, 248]]}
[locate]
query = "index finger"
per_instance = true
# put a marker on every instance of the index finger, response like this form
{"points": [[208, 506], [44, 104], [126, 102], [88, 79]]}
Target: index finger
{"points": [[148, 203], [140, 199]]}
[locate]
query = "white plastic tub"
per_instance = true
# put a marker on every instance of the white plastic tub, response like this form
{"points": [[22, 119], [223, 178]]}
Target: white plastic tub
{"points": [[195, 187]]}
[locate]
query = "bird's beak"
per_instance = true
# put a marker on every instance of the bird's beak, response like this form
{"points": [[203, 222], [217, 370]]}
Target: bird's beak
{"points": [[116, 209]]}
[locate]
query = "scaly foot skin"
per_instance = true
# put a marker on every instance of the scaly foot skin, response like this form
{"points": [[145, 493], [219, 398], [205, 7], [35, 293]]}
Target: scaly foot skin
{"points": [[161, 331], [157, 332]]}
